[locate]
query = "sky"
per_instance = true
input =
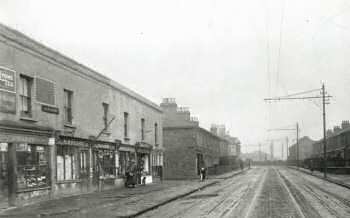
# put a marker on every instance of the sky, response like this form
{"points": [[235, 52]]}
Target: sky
{"points": [[220, 58]]}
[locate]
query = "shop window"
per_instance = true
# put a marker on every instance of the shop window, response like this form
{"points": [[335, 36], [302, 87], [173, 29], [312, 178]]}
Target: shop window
{"points": [[3, 170], [32, 166], [105, 161], [125, 160], [25, 93], [126, 120], [68, 98], [67, 163], [143, 162], [84, 170]]}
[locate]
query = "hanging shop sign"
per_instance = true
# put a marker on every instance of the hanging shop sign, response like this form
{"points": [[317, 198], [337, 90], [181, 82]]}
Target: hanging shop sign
{"points": [[50, 109]]}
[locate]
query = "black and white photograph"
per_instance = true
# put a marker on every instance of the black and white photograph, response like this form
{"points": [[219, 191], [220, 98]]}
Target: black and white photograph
{"points": [[175, 108]]}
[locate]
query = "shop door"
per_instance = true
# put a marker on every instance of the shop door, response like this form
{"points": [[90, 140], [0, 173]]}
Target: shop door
{"points": [[199, 162], [3, 176], [95, 164]]}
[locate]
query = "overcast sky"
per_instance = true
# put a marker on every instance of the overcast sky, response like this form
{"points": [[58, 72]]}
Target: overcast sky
{"points": [[220, 58]]}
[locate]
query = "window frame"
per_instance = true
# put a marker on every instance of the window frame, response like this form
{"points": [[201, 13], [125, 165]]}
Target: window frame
{"points": [[105, 114], [156, 133], [29, 83], [68, 106], [126, 125], [143, 123]]}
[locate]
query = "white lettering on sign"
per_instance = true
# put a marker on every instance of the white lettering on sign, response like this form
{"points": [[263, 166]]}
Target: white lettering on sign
{"points": [[7, 80]]}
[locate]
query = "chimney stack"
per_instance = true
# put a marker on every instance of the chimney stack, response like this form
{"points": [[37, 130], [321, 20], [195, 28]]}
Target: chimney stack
{"points": [[345, 124]]}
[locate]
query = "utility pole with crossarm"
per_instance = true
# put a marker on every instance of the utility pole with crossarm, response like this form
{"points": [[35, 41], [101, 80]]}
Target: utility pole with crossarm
{"points": [[325, 99]]}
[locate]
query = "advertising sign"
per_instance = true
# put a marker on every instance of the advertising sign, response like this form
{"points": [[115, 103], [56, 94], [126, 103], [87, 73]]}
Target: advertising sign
{"points": [[7, 90], [7, 80]]}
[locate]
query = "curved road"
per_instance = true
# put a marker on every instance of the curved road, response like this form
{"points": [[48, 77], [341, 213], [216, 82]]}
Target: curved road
{"points": [[263, 192]]}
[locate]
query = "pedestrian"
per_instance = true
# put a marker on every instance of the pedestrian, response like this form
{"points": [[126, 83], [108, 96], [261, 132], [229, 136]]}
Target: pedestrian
{"points": [[202, 174], [161, 173], [311, 166], [241, 164]]}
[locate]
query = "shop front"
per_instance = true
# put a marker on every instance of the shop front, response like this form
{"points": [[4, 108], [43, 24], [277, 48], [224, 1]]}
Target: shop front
{"points": [[105, 164], [25, 169], [143, 160], [72, 165]]}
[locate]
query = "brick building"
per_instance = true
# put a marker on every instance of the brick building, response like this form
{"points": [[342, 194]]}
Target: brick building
{"points": [[65, 128], [187, 146]]}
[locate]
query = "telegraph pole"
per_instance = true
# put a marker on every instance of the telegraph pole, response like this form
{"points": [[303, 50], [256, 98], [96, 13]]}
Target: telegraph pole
{"points": [[324, 97], [297, 150], [324, 131]]}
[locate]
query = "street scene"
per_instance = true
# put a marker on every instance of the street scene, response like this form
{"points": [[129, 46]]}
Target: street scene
{"points": [[174, 109]]}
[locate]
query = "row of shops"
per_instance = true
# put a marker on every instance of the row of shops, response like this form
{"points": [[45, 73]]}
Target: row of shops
{"points": [[39, 163]]}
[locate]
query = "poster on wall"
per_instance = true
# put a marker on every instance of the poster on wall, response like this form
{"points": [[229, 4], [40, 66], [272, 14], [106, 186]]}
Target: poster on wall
{"points": [[7, 90]]}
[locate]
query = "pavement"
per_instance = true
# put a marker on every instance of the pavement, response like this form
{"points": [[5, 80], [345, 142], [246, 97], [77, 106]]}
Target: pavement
{"points": [[117, 203], [339, 179]]}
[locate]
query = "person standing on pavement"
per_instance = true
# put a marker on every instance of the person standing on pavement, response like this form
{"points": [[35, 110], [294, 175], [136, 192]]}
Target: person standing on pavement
{"points": [[202, 173], [241, 164]]}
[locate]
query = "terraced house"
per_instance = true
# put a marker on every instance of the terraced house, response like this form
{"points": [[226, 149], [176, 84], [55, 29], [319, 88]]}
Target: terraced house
{"points": [[64, 128], [188, 147]]}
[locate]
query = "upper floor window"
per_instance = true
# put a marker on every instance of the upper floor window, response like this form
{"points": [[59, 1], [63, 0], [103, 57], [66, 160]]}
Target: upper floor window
{"points": [[156, 133], [126, 120], [105, 114], [142, 129], [68, 114], [25, 93]]}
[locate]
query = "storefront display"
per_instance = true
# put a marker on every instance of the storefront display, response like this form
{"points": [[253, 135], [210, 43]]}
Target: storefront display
{"points": [[67, 163], [32, 166]]}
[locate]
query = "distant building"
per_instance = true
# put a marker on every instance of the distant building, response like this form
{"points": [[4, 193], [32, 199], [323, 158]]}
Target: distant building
{"points": [[338, 141], [187, 146], [234, 147], [305, 149]]}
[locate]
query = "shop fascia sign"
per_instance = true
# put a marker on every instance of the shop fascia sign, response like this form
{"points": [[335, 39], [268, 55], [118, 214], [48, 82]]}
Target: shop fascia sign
{"points": [[66, 141], [104, 146]]}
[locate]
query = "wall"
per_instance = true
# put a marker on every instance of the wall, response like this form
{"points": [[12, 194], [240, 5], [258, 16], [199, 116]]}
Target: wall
{"points": [[179, 153]]}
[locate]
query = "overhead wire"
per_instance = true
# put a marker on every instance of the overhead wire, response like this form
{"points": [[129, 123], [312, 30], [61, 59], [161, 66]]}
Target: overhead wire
{"points": [[278, 82]]}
